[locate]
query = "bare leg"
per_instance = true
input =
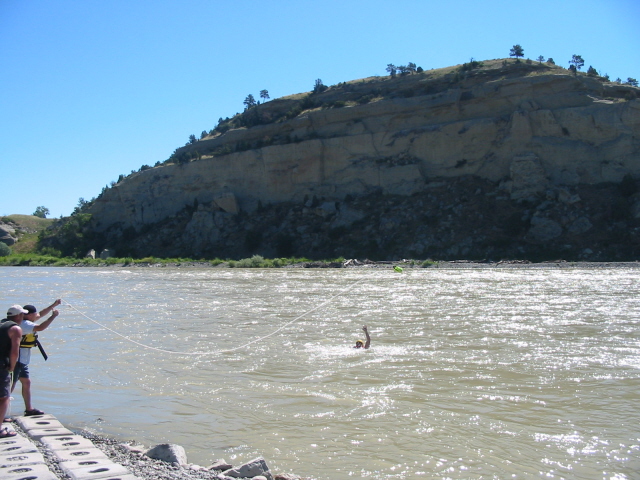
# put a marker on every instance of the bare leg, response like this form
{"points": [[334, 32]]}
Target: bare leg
{"points": [[26, 393], [5, 402], [4, 407]]}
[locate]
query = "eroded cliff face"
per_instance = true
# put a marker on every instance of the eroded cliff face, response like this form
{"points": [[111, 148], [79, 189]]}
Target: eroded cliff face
{"points": [[525, 129]]}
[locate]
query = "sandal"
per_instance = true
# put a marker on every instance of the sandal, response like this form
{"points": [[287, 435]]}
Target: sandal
{"points": [[6, 433], [7, 420], [32, 412]]}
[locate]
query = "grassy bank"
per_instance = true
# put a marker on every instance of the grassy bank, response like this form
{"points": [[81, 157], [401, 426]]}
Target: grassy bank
{"points": [[35, 260], [256, 261]]}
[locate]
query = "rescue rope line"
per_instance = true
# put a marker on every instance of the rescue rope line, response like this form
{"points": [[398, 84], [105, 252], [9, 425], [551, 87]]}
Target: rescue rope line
{"points": [[218, 352]]}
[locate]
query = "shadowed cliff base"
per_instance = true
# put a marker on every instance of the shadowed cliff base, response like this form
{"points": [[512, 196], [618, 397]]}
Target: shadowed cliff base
{"points": [[462, 218]]}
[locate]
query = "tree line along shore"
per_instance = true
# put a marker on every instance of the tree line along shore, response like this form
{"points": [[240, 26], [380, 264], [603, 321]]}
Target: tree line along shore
{"points": [[257, 261]]}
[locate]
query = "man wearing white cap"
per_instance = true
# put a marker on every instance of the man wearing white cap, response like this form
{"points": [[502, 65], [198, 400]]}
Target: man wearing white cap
{"points": [[10, 335]]}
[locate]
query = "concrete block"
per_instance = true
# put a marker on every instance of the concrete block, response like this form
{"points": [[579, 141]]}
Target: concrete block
{"points": [[128, 476], [107, 471], [66, 442], [38, 421], [84, 463], [16, 445], [79, 454], [11, 459], [79, 458], [13, 440], [30, 472], [38, 433]]}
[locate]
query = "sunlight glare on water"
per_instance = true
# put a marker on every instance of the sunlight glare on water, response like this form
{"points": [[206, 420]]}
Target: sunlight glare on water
{"points": [[472, 373]]}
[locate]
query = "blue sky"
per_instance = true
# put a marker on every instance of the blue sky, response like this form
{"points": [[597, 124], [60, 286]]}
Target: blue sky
{"points": [[90, 89]]}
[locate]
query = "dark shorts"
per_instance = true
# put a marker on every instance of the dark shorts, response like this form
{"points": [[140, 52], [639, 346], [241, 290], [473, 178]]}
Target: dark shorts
{"points": [[5, 383], [21, 371]]}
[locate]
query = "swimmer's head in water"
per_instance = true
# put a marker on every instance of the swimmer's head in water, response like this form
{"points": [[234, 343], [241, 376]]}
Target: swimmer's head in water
{"points": [[359, 344]]}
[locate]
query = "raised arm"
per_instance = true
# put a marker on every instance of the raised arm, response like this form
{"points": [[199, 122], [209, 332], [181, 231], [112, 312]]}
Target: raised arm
{"points": [[366, 332], [45, 311], [42, 326]]}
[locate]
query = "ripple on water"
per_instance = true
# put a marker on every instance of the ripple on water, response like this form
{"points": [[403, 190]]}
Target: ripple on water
{"points": [[472, 372]]}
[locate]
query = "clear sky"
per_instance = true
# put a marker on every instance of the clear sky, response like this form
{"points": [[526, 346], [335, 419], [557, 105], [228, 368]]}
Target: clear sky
{"points": [[91, 89]]}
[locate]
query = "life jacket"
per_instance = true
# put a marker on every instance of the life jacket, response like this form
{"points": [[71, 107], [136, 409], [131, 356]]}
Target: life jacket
{"points": [[29, 340], [5, 342]]}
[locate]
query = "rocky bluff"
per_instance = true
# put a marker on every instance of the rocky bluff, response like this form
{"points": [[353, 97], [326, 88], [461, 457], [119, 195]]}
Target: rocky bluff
{"points": [[489, 160]]}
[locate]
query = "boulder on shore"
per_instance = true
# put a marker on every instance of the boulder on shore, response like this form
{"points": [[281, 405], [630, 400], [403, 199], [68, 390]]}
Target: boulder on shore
{"points": [[168, 452], [250, 469]]}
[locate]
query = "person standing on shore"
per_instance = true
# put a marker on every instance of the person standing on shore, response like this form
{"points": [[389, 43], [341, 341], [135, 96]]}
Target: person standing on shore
{"points": [[30, 340], [10, 335]]}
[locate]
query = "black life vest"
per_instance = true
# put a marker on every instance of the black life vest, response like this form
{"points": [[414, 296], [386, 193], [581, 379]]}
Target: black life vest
{"points": [[5, 342]]}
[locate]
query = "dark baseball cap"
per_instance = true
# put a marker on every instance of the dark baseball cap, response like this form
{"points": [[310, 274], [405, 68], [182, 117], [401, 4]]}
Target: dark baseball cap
{"points": [[30, 309]]}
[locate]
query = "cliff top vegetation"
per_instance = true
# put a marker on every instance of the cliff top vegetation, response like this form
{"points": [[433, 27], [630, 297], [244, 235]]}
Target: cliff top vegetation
{"points": [[401, 82]]}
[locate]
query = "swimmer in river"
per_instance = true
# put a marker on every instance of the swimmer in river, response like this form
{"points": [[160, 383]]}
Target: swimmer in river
{"points": [[360, 343]]}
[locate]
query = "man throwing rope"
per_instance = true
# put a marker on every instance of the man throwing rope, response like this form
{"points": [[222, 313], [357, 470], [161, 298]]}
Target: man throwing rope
{"points": [[30, 340], [10, 335]]}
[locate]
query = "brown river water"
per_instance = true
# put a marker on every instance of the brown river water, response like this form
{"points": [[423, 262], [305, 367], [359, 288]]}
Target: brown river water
{"points": [[472, 373]]}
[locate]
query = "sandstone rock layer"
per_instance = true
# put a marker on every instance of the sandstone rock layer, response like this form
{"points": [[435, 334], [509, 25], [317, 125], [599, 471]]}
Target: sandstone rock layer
{"points": [[525, 128]]}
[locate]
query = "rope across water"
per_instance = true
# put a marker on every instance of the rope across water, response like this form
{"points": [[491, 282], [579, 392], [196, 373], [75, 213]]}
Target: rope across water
{"points": [[219, 352]]}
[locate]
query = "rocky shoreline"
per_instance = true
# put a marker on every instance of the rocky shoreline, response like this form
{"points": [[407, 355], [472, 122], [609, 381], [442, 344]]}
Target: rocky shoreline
{"points": [[140, 462], [404, 264]]}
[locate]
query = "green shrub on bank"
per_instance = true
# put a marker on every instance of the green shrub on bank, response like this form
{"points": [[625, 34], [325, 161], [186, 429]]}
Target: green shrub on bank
{"points": [[254, 262], [258, 261], [4, 249], [27, 259]]}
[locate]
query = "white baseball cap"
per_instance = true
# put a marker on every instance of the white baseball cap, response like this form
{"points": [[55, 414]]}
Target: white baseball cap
{"points": [[15, 310]]}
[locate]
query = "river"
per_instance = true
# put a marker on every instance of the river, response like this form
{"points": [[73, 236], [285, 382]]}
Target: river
{"points": [[472, 373]]}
